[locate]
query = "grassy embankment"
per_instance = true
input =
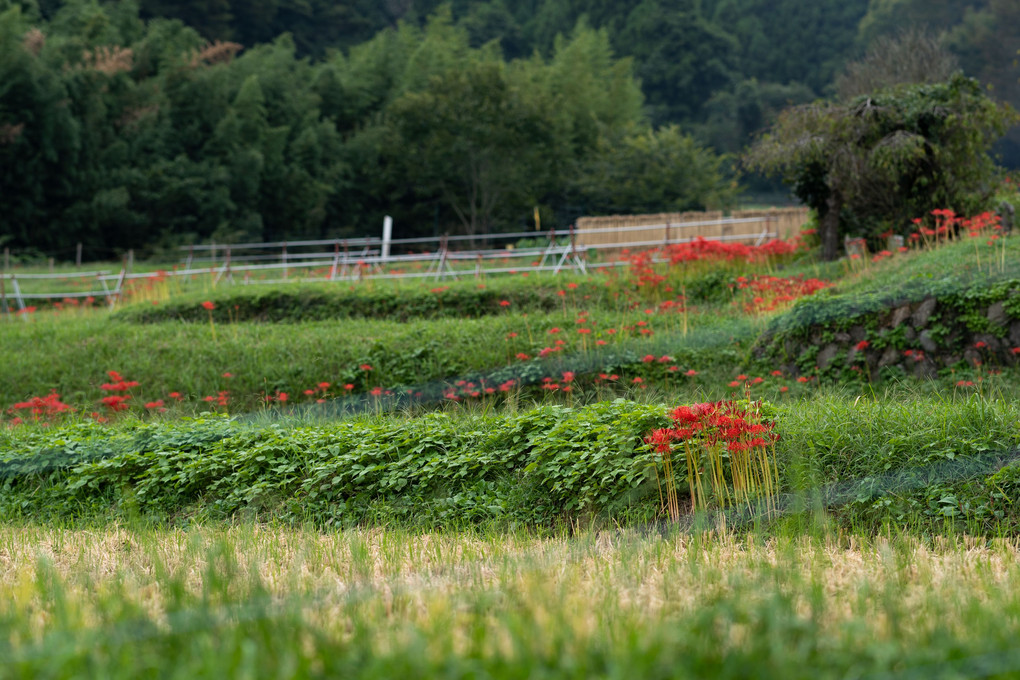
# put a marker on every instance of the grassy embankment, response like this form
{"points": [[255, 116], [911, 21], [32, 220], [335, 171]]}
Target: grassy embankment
{"points": [[515, 537]]}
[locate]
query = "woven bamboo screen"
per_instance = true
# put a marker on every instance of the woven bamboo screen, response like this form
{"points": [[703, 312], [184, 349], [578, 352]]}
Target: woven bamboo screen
{"points": [[784, 222]]}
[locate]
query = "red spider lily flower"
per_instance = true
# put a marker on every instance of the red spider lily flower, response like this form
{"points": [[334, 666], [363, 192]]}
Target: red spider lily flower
{"points": [[48, 405], [118, 384], [324, 386], [803, 379], [568, 376], [584, 331], [757, 381], [282, 397], [611, 331], [572, 286], [309, 392], [784, 388], [376, 391], [691, 372], [980, 344], [522, 356], [862, 345], [660, 439], [601, 342], [554, 330], [665, 359], [776, 373], [741, 377], [561, 293], [673, 369], [964, 383], [637, 381], [365, 367], [648, 358], [158, 404], [228, 374], [116, 402], [1015, 350], [504, 303], [735, 383], [349, 387], [208, 304]]}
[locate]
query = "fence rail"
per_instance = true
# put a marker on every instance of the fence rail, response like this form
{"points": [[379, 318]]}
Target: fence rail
{"points": [[373, 258]]}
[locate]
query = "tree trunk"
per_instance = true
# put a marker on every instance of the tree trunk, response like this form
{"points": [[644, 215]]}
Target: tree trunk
{"points": [[830, 226]]}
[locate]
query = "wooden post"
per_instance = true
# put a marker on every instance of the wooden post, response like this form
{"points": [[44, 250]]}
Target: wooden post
{"points": [[3, 294], [131, 259], [285, 260], [51, 265], [336, 261], [77, 256], [7, 260]]}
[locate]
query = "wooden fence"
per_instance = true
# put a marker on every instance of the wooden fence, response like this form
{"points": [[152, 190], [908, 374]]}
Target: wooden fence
{"points": [[434, 258]]}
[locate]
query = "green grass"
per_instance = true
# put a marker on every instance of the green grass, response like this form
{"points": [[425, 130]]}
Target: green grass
{"points": [[73, 356]]}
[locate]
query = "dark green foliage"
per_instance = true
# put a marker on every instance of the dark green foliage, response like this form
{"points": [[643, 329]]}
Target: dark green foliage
{"points": [[869, 461], [533, 467], [119, 134], [317, 303]]}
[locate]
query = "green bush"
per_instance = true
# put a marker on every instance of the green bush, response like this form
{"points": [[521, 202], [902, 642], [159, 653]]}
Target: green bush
{"points": [[533, 467]]}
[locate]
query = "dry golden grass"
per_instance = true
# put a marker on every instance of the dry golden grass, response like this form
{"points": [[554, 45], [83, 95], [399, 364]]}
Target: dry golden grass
{"points": [[589, 584]]}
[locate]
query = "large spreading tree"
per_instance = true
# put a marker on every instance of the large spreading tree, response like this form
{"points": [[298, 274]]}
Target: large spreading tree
{"points": [[869, 164]]}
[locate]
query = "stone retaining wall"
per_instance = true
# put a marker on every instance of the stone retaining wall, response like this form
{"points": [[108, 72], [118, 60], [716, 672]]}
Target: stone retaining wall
{"points": [[919, 338]]}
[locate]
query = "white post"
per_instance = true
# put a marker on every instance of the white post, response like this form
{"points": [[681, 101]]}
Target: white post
{"points": [[387, 236]]}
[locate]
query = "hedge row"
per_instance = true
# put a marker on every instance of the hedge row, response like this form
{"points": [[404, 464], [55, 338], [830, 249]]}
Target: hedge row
{"points": [[531, 467], [872, 462]]}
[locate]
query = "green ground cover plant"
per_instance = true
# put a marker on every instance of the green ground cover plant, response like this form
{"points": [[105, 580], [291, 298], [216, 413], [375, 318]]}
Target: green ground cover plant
{"points": [[926, 462]]}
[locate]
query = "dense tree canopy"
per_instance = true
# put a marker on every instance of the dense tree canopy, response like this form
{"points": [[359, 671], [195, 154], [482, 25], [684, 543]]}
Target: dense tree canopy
{"points": [[119, 133], [148, 122]]}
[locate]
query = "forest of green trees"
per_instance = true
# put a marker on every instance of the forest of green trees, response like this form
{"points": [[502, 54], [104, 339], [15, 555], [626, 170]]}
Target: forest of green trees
{"points": [[149, 123]]}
